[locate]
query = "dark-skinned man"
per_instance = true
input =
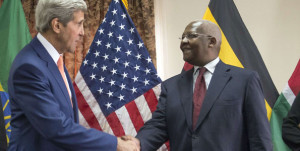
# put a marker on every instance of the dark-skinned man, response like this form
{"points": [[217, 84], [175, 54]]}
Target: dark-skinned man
{"points": [[212, 107]]}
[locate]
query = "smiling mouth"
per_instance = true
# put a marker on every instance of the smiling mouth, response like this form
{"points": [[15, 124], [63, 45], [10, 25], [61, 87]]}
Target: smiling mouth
{"points": [[185, 50]]}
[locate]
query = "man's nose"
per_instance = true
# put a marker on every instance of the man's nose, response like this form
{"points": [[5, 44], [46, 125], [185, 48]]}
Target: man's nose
{"points": [[81, 33], [185, 39]]}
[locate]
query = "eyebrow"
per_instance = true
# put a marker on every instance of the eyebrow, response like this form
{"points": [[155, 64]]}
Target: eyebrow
{"points": [[81, 21]]}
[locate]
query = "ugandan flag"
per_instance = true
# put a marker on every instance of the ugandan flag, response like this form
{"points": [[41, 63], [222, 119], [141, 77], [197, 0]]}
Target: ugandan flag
{"points": [[238, 48]]}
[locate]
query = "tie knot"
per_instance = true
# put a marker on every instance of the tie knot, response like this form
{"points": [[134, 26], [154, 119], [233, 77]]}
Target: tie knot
{"points": [[201, 71]]}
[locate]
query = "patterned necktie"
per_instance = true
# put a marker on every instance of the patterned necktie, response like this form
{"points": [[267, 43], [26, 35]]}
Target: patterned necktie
{"points": [[198, 96], [60, 65]]}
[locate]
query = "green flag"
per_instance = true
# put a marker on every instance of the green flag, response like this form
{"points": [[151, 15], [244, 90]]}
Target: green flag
{"points": [[282, 107], [14, 35]]}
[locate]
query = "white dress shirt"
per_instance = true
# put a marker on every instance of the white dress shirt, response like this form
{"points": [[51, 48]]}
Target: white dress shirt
{"points": [[210, 68]]}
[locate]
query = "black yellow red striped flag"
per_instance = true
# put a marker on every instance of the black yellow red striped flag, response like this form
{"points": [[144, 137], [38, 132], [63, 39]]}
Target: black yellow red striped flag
{"points": [[238, 48]]}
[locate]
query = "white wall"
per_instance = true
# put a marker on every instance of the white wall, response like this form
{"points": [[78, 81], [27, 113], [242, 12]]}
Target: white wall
{"points": [[273, 24]]}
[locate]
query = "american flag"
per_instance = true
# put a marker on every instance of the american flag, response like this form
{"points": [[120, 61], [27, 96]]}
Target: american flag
{"points": [[117, 86]]}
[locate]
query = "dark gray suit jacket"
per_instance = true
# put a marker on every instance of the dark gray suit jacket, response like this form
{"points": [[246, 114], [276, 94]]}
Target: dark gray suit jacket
{"points": [[233, 115]]}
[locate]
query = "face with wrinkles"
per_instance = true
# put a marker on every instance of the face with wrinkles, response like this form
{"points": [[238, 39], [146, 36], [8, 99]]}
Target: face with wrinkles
{"points": [[72, 33]]}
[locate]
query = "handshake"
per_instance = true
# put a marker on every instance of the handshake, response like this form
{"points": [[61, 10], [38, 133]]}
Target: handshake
{"points": [[128, 143]]}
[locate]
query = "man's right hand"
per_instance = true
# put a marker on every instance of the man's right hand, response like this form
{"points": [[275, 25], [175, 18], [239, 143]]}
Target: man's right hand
{"points": [[127, 145]]}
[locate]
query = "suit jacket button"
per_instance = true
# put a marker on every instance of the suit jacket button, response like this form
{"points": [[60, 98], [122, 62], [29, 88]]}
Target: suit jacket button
{"points": [[194, 137]]}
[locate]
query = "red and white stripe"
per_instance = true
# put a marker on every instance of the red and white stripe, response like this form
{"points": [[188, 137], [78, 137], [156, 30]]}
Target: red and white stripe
{"points": [[293, 86], [127, 120]]}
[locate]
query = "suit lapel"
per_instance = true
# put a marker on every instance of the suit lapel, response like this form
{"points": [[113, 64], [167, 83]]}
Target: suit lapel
{"points": [[220, 78], [186, 95], [44, 55], [74, 100]]}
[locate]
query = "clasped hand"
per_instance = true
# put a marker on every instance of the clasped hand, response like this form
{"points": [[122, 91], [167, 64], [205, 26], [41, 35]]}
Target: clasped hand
{"points": [[128, 143]]}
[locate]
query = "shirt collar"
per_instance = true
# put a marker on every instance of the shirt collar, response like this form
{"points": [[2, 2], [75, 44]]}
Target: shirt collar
{"points": [[49, 47], [211, 66]]}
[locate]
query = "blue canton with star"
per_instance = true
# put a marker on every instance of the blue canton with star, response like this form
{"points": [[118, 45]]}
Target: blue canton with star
{"points": [[117, 67]]}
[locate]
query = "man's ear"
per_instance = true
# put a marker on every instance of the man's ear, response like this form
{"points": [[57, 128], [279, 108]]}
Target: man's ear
{"points": [[56, 25], [212, 42]]}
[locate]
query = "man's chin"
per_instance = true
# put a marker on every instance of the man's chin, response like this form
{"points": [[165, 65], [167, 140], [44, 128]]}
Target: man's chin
{"points": [[187, 59]]}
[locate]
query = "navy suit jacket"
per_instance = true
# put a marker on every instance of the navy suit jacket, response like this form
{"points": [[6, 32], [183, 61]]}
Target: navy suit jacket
{"points": [[42, 115], [233, 115]]}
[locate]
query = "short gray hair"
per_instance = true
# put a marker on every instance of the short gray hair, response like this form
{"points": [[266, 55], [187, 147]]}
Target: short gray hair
{"points": [[46, 10]]}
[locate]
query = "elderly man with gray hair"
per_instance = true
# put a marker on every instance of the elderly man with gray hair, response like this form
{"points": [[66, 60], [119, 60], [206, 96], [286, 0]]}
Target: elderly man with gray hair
{"points": [[43, 103]]}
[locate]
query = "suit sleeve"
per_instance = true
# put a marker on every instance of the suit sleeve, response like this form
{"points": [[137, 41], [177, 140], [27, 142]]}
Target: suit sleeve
{"points": [[33, 94], [154, 133], [290, 129], [258, 127]]}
